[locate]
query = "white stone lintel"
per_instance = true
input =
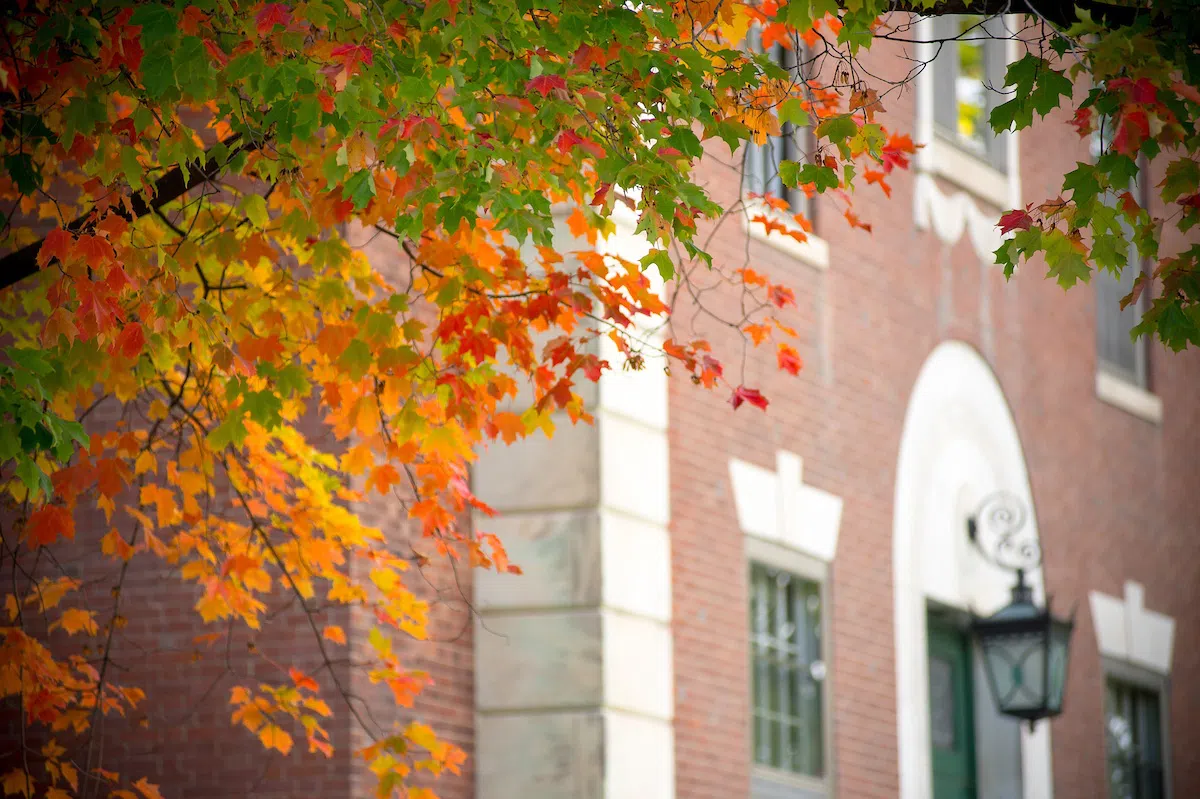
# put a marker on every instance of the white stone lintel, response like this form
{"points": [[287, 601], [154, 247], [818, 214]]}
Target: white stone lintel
{"points": [[1126, 630], [777, 506]]}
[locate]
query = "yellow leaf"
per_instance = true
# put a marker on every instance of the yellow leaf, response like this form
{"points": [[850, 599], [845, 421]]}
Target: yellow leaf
{"points": [[158, 410], [358, 459], [70, 775], [212, 607], [385, 579], [17, 781], [57, 793], [50, 592], [146, 789], [317, 706], [146, 462], [335, 634], [113, 543], [274, 737], [74, 620], [444, 441], [12, 606], [422, 735], [421, 793]]}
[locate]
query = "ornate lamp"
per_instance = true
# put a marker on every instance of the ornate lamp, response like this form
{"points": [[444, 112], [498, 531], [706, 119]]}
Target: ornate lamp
{"points": [[1025, 648]]}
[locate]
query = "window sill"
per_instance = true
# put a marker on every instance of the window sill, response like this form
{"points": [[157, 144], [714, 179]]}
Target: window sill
{"points": [[1132, 399], [798, 785], [813, 251], [964, 169]]}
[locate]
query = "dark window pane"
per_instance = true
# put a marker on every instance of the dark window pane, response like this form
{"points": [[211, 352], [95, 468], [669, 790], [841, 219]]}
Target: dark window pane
{"points": [[1133, 726], [785, 622], [941, 702]]}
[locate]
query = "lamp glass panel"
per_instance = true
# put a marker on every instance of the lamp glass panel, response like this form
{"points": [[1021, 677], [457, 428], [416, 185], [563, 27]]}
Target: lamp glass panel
{"points": [[1060, 640], [1016, 664]]}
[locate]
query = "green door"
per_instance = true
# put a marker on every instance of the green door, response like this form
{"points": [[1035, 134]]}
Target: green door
{"points": [[951, 720]]}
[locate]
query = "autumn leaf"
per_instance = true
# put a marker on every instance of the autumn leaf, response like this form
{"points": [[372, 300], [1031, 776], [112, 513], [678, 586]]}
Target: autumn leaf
{"points": [[383, 477], [75, 620], [742, 394], [272, 14], [1015, 220], [274, 737], [302, 680], [147, 789], [544, 84], [788, 359], [56, 245], [335, 634], [47, 523], [130, 341]]}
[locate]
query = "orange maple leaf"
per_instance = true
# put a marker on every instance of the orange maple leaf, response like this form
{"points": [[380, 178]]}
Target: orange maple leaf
{"points": [[47, 523]]}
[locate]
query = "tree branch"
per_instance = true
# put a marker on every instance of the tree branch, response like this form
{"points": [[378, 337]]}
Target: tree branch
{"points": [[20, 264], [1060, 13]]}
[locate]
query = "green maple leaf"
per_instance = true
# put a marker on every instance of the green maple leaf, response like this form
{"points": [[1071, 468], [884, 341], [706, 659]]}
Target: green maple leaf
{"points": [[1064, 261]]}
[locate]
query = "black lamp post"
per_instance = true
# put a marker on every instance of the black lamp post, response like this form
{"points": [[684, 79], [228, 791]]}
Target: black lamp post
{"points": [[1025, 648]]}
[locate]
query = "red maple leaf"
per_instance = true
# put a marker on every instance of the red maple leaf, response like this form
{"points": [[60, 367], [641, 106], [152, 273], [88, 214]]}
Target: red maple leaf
{"points": [[216, 52], [601, 193], [1133, 128], [544, 84], [1082, 122], [131, 341], [566, 141], [874, 176], [1145, 92], [781, 296], [352, 56], [742, 394], [896, 151], [57, 244], [1013, 220], [47, 523], [788, 359], [272, 14]]}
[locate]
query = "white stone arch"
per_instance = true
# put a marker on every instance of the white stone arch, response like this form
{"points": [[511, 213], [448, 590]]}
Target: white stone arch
{"points": [[959, 444]]}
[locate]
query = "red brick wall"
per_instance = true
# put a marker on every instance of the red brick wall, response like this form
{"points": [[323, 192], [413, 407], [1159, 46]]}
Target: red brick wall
{"points": [[1116, 497]]}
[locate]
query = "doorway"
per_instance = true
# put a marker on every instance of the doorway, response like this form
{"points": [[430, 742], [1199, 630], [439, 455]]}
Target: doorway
{"points": [[951, 709]]}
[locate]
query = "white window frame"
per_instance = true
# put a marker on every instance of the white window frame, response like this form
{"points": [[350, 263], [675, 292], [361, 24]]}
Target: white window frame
{"points": [[786, 559], [948, 159], [813, 250], [1139, 677], [1133, 394]]}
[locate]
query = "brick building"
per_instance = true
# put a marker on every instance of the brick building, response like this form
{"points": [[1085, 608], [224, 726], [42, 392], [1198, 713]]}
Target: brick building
{"points": [[672, 548], [674, 545]]}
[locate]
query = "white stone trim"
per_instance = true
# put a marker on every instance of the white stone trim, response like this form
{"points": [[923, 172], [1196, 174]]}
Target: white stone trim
{"points": [[949, 216], [574, 687], [799, 516], [813, 251], [964, 169], [1130, 398], [959, 444], [1126, 631], [639, 758]]}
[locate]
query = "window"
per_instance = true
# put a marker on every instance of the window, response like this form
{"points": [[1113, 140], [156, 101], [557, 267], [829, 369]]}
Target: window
{"points": [[1134, 728], [762, 161], [788, 671], [967, 74], [1117, 352]]}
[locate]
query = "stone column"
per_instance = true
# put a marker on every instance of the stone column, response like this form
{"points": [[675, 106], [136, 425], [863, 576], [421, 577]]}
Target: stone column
{"points": [[573, 668]]}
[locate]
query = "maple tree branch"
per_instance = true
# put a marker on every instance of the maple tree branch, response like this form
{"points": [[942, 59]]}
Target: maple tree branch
{"points": [[1059, 12], [20, 264]]}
